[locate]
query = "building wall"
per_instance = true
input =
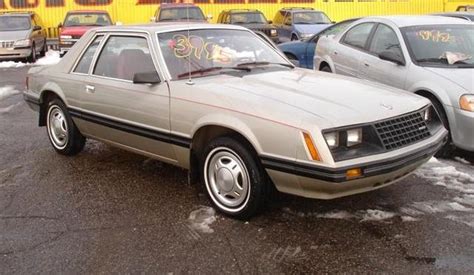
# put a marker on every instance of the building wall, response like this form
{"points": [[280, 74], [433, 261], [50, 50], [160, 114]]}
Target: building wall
{"points": [[139, 11]]}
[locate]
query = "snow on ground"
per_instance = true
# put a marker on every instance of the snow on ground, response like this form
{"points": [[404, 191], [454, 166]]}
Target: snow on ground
{"points": [[456, 176], [7, 91], [51, 58], [9, 108], [201, 219]]}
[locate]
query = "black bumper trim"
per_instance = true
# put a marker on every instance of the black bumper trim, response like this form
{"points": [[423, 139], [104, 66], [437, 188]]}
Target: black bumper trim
{"points": [[132, 129], [31, 99], [369, 169]]}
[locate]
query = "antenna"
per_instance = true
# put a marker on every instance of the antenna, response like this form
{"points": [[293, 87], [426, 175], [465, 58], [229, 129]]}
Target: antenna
{"points": [[190, 79]]}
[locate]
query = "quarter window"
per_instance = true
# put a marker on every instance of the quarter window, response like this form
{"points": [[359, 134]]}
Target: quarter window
{"points": [[124, 56], [385, 40], [86, 59], [358, 35]]}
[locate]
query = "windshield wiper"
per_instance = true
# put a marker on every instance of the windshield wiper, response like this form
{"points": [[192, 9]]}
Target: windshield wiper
{"points": [[432, 60], [211, 69], [264, 63]]}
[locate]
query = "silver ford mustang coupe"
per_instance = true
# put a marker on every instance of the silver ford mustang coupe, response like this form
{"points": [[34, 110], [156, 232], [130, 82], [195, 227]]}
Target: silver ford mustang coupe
{"points": [[221, 102]]}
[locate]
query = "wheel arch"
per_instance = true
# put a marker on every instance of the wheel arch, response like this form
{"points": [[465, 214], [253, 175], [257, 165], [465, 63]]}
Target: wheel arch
{"points": [[432, 96], [46, 95]]}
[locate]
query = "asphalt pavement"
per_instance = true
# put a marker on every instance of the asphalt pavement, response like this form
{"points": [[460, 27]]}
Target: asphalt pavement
{"points": [[111, 211]]}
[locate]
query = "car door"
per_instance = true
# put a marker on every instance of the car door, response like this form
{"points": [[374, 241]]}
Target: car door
{"points": [[347, 54], [130, 115], [287, 27], [373, 68], [37, 33]]}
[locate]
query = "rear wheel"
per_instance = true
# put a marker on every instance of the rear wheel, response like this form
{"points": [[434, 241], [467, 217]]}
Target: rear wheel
{"points": [[326, 68], [44, 49], [62, 132], [234, 180]]}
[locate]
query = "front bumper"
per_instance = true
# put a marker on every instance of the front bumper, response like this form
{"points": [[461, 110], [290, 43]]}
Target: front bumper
{"points": [[13, 53], [32, 99], [463, 132], [318, 182]]}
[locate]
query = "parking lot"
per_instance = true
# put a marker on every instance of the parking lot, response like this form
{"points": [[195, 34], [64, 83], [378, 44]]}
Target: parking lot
{"points": [[108, 210]]}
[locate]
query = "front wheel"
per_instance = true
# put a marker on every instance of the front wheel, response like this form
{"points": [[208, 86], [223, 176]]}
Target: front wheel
{"points": [[32, 58], [63, 134], [235, 181]]}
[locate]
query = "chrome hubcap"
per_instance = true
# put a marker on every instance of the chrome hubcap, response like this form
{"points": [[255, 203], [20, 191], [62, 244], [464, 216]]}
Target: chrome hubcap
{"points": [[57, 127], [227, 178]]}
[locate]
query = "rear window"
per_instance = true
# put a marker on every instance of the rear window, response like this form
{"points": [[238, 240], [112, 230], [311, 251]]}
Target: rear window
{"points": [[14, 23]]}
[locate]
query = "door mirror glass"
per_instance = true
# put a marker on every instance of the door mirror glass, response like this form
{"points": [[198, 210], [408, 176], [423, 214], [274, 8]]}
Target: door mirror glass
{"points": [[392, 57], [146, 78], [60, 25], [37, 28]]}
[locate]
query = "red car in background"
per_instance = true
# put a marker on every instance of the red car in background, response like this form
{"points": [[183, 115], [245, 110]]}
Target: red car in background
{"points": [[77, 23]]}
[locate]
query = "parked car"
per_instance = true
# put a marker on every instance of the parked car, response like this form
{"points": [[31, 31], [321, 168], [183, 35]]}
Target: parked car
{"points": [[218, 100], [299, 23], [167, 12], [427, 55], [462, 15], [77, 23], [302, 51], [251, 19], [22, 36]]}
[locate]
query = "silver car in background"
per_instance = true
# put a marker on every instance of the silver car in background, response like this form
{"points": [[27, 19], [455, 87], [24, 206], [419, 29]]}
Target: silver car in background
{"points": [[432, 56], [22, 36], [220, 101]]}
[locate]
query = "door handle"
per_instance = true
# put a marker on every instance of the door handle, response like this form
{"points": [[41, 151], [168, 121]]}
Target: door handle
{"points": [[90, 89]]}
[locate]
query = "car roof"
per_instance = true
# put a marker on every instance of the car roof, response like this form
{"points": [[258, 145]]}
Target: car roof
{"points": [[456, 13], [242, 10], [415, 20], [176, 5], [16, 13], [168, 26], [87, 11]]}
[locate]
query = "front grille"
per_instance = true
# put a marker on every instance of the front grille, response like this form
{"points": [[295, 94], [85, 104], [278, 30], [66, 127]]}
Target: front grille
{"points": [[402, 131], [7, 44]]}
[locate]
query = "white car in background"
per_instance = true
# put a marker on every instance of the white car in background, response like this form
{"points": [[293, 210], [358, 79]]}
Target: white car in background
{"points": [[431, 56]]}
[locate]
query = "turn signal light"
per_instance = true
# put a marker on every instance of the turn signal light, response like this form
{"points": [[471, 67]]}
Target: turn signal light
{"points": [[311, 148], [353, 173]]}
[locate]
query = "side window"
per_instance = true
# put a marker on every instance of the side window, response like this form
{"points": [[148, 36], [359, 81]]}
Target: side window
{"points": [[358, 35], [124, 56], [86, 59], [385, 40]]}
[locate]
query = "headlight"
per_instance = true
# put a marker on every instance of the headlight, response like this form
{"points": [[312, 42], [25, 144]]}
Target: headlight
{"points": [[332, 139], [66, 37], [273, 32], [22, 43], [306, 35], [466, 102], [354, 137]]}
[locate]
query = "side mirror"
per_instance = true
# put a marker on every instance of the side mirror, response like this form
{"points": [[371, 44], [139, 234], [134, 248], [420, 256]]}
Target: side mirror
{"points": [[334, 22], [37, 28], [390, 56], [209, 17], [270, 22], [146, 78], [153, 19], [60, 25]]}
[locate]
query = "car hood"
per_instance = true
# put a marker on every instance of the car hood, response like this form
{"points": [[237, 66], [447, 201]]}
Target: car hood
{"points": [[310, 28], [76, 31], [334, 99], [463, 77], [14, 35]]}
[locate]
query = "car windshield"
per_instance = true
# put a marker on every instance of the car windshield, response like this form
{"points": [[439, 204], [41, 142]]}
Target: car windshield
{"points": [[441, 45], [211, 51], [178, 14], [310, 17], [248, 18], [14, 23], [87, 19]]}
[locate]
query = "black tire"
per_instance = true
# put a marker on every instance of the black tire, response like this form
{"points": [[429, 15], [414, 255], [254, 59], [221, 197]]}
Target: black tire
{"points": [[44, 49], [448, 149], [259, 185], [326, 69], [73, 141], [32, 58], [294, 37]]}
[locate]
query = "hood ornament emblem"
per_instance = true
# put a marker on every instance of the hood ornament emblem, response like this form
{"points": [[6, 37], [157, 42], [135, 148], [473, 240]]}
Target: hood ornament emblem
{"points": [[386, 106]]}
